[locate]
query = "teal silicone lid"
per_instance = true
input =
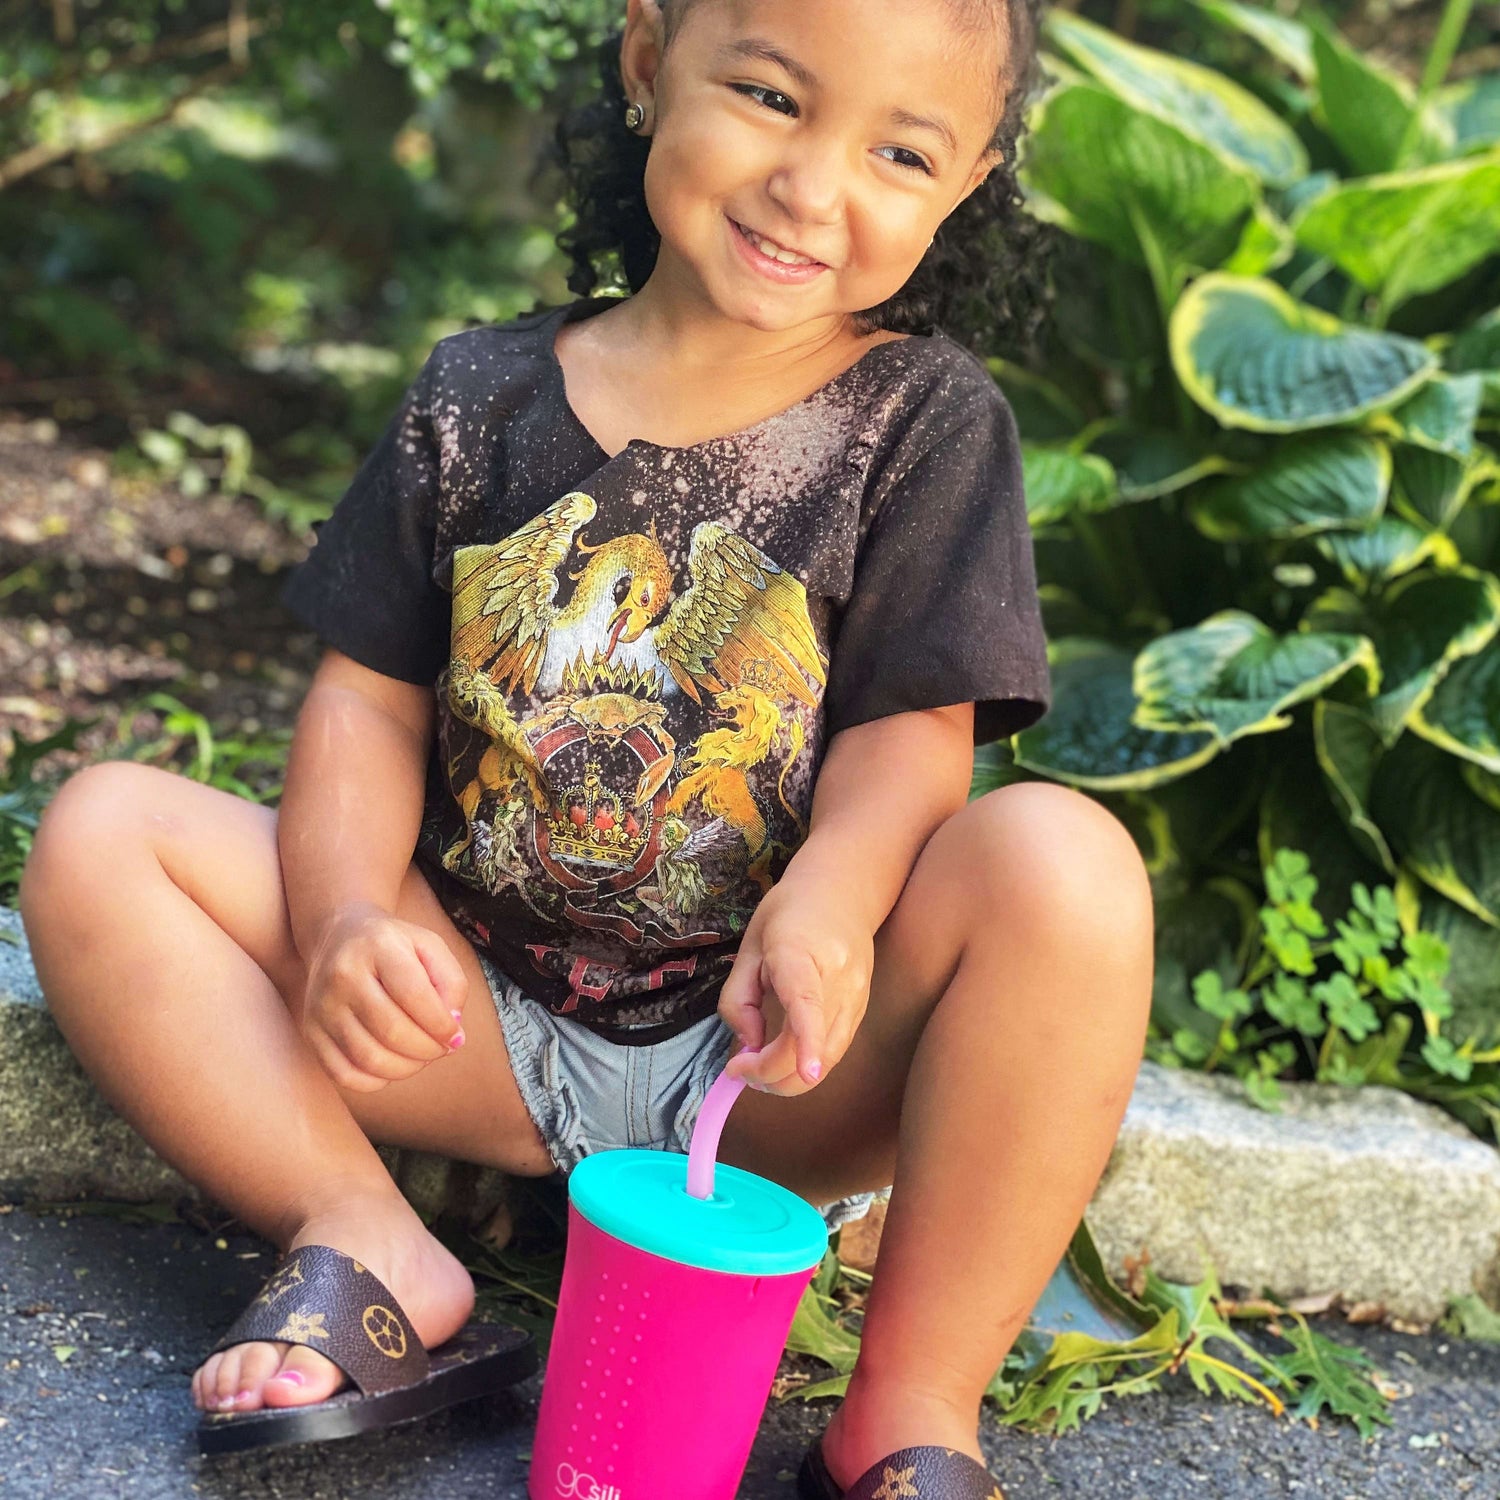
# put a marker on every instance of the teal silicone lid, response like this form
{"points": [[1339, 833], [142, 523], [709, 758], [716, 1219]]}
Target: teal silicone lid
{"points": [[750, 1226]]}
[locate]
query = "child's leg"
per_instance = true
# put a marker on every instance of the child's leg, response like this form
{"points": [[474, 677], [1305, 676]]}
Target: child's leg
{"points": [[157, 918], [987, 1081]]}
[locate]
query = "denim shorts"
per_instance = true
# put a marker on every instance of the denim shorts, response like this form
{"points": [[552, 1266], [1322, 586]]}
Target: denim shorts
{"points": [[585, 1093]]}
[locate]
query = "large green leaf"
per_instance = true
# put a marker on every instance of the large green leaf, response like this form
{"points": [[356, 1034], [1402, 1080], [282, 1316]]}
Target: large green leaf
{"points": [[1463, 715], [1365, 108], [1148, 464], [1441, 416], [1477, 348], [1387, 549], [1442, 831], [1471, 109], [1265, 243], [1473, 978], [1348, 751], [1057, 481], [1203, 104], [1420, 625], [1247, 352], [1408, 232], [1288, 41], [1316, 482], [1207, 927], [1089, 739], [1117, 175], [1430, 488], [1296, 812], [1231, 675]]}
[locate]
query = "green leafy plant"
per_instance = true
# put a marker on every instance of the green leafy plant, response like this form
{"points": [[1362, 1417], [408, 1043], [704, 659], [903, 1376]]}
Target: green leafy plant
{"points": [[1365, 1004], [1261, 465], [1052, 1380]]}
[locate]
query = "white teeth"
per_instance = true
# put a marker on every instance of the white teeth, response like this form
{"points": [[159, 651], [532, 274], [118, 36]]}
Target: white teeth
{"points": [[775, 251]]}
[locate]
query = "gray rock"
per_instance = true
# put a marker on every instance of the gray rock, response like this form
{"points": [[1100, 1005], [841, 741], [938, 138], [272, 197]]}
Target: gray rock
{"points": [[1367, 1192]]}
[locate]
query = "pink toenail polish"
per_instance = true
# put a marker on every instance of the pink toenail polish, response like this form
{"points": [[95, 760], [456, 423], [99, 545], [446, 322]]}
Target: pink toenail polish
{"points": [[243, 1396], [293, 1377]]}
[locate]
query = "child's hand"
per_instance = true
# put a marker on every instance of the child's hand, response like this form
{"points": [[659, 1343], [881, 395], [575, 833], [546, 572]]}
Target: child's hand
{"points": [[802, 950], [384, 999]]}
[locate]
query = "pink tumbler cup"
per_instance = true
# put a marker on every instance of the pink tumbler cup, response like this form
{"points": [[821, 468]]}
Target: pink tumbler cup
{"points": [[679, 1286]]}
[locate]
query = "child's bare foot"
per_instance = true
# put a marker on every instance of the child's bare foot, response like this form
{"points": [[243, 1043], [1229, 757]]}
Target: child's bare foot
{"points": [[431, 1285], [875, 1421]]}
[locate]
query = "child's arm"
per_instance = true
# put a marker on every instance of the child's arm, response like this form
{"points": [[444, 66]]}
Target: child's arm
{"points": [[350, 813], [883, 789]]}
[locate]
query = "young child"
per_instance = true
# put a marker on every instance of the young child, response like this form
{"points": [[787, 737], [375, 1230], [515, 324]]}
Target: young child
{"points": [[660, 631]]}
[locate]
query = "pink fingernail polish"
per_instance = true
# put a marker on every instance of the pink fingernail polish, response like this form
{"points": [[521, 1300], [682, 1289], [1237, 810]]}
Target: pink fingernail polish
{"points": [[815, 1070], [292, 1377], [457, 1015], [457, 1042]]}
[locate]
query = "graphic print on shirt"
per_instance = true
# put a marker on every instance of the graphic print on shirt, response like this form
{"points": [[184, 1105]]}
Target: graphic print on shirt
{"points": [[620, 758]]}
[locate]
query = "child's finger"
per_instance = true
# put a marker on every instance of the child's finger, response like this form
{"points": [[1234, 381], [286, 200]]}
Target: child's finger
{"points": [[406, 975], [367, 1055], [799, 986], [740, 1001], [339, 1068], [390, 1025]]}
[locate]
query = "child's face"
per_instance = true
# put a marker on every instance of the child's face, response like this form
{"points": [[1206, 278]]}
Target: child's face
{"points": [[821, 164]]}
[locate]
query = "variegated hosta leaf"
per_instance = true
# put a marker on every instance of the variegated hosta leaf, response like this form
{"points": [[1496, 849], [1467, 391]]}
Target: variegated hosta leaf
{"points": [[1109, 172], [1463, 715], [1420, 625], [1441, 416], [1348, 751], [1265, 243], [1439, 829], [1232, 675], [1365, 108], [1202, 103], [1288, 41], [1058, 481], [1315, 482], [1473, 979], [1429, 487], [1207, 927], [1477, 348], [1403, 233], [1390, 547], [1297, 812], [1148, 464], [1247, 352], [1471, 109], [1088, 738]]}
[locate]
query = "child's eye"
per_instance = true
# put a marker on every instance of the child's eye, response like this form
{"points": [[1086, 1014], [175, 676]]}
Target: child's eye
{"points": [[754, 90]]}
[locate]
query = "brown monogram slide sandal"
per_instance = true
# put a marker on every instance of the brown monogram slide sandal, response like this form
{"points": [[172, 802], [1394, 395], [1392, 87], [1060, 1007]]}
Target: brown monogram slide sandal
{"points": [[326, 1300], [907, 1474]]}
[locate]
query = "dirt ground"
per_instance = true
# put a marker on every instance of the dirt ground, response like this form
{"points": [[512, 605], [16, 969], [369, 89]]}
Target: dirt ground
{"points": [[112, 589]]}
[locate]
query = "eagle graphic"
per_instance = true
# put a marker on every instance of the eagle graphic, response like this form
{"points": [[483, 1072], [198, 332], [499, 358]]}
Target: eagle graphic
{"points": [[738, 607]]}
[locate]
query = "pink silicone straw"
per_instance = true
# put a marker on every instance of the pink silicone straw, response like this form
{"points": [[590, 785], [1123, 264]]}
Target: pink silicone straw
{"points": [[704, 1146]]}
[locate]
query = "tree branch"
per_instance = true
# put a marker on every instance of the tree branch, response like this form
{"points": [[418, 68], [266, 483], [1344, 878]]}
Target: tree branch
{"points": [[34, 158]]}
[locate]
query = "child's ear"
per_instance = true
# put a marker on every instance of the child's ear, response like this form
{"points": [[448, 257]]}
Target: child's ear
{"points": [[641, 47]]}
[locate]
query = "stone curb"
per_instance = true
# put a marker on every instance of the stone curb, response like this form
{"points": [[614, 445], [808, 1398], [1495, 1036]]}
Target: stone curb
{"points": [[1368, 1193]]}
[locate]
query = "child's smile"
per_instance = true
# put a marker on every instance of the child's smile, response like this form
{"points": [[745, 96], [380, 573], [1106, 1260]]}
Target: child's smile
{"points": [[841, 133]]}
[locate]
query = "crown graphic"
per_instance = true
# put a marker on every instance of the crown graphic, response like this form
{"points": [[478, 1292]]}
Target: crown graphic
{"points": [[593, 823], [599, 675], [763, 675]]}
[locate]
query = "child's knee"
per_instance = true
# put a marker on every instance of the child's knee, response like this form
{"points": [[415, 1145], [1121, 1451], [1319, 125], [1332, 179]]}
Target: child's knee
{"points": [[80, 831]]}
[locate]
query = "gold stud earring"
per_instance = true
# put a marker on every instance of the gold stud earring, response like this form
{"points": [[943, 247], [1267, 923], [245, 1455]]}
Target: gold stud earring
{"points": [[634, 116]]}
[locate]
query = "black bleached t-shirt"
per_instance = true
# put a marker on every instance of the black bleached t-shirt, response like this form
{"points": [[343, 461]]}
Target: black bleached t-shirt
{"points": [[638, 660]]}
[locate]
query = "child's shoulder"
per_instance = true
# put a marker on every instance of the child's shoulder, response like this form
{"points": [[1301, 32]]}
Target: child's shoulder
{"points": [[938, 386], [481, 346]]}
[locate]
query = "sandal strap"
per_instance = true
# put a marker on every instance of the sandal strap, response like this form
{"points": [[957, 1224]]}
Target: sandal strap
{"points": [[328, 1301], [927, 1473]]}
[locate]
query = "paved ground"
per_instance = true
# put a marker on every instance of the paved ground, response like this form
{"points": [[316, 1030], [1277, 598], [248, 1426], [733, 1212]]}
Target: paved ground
{"points": [[137, 1302]]}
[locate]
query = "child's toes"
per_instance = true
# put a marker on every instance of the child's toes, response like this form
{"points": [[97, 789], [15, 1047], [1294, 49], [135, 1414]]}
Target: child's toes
{"points": [[227, 1384], [305, 1376], [206, 1382], [258, 1363]]}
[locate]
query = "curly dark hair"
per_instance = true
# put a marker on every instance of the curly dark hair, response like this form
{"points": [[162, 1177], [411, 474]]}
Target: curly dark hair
{"points": [[983, 282]]}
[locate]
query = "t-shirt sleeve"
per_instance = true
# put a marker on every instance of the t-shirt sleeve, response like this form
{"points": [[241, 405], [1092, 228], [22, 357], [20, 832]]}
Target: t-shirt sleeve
{"points": [[366, 587], [944, 605]]}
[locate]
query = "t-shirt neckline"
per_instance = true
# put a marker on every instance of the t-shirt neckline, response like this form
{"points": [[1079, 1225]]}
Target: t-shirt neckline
{"points": [[570, 311]]}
